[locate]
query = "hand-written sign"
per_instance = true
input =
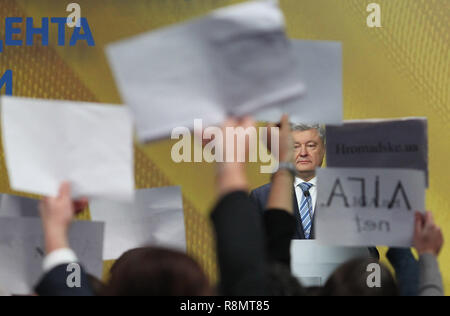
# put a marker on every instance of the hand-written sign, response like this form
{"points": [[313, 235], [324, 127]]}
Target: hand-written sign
{"points": [[401, 143], [364, 207]]}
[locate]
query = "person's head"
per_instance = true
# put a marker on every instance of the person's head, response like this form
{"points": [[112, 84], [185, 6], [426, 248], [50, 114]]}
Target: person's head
{"points": [[97, 286], [281, 282], [309, 149], [361, 277], [153, 271]]}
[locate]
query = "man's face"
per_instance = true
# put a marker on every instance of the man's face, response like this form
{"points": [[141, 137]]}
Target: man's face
{"points": [[309, 150]]}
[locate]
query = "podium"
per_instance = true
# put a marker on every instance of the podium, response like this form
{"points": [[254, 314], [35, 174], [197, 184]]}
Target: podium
{"points": [[312, 262]]}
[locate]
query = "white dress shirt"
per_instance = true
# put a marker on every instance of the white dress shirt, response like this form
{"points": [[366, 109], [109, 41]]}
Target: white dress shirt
{"points": [[312, 192]]}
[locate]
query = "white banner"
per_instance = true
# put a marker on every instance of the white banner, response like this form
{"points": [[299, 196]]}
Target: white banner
{"points": [[368, 207]]}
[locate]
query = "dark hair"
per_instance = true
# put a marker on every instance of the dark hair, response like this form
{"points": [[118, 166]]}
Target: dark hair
{"points": [[351, 278], [97, 286], [154, 271], [281, 282]]}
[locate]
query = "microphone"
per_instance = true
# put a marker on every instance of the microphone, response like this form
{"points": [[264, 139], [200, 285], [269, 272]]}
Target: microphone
{"points": [[306, 194]]}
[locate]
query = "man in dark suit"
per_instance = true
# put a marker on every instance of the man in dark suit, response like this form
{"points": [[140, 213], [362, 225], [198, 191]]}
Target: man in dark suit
{"points": [[309, 149], [309, 153]]}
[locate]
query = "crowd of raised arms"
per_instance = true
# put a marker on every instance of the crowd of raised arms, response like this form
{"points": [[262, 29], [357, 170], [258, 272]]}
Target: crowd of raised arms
{"points": [[253, 245]]}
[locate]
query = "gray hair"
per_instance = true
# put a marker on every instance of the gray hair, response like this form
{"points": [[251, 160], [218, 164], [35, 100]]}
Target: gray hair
{"points": [[305, 127]]}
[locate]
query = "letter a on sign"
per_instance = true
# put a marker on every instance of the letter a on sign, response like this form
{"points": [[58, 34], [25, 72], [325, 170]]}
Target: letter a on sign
{"points": [[374, 18]]}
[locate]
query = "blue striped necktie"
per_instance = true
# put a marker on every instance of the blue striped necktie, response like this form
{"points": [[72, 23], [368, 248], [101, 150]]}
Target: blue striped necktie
{"points": [[306, 208]]}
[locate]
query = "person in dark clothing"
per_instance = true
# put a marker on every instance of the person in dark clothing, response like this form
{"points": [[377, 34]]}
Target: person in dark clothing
{"points": [[254, 251], [420, 277], [238, 229], [240, 248], [144, 271], [57, 215], [407, 270]]}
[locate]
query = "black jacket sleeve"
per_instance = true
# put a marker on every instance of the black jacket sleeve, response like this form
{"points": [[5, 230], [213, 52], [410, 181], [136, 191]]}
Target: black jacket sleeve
{"points": [[280, 227], [254, 196], [406, 269], [54, 283], [240, 246]]}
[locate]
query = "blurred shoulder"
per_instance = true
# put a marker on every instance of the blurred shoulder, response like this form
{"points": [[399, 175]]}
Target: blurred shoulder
{"points": [[262, 189]]}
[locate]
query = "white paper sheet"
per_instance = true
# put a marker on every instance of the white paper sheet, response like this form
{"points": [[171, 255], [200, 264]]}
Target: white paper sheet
{"points": [[313, 263], [155, 218], [366, 207], [22, 251], [47, 142], [234, 61], [319, 66], [18, 206]]}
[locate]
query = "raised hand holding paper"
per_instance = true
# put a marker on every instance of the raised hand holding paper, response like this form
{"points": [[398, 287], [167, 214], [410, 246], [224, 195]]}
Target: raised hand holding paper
{"points": [[22, 249], [49, 142], [366, 207]]}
